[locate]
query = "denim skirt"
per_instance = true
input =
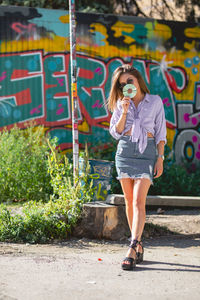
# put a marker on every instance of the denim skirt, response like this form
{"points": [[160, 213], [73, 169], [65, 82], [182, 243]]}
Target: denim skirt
{"points": [[130, 163]]}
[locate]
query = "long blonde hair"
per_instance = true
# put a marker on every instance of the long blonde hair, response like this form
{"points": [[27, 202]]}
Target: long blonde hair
{"points": [[115, 91]]}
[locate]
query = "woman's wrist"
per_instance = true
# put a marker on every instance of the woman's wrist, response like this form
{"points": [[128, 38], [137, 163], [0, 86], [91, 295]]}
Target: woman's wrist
{"points": [[161, 157]]}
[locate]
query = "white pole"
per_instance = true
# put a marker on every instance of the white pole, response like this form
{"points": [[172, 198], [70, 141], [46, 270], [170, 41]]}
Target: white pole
{"points": [[74, 99]]}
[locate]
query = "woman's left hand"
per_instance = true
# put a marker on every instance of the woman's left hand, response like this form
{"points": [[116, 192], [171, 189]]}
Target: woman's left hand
{"points": [[158, 168]]}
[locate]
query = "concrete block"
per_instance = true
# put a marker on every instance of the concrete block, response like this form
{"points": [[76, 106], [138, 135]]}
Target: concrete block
{"points": [[115, 199]]}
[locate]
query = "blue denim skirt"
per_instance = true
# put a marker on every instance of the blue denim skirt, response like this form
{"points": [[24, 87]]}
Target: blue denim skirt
{"points": [[130, 163]]}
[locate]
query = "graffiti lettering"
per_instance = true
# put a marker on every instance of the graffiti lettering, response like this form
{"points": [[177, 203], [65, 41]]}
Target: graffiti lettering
{"points": [[50, 103], [35, 68], [25, 30]]}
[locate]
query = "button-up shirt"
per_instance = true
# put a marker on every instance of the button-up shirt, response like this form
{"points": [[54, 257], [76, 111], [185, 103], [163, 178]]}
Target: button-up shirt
{"points": [[148, 116]]}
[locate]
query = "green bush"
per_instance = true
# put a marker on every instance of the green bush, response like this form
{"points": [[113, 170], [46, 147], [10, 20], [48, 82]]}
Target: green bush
{"points": [[24, 165], [43, 222], [60, 170], [37, 224], [177, 180]]}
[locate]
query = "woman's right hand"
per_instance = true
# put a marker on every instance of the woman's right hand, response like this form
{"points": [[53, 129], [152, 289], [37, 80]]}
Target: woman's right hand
{"points": [[125, 102]]}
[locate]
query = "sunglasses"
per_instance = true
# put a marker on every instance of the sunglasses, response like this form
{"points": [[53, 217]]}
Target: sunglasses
{"points": [[122, 85]]}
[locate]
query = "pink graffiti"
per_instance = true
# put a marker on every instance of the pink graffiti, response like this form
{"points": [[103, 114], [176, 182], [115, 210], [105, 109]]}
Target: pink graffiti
{"points": [[35, 110], [199, 146], [98, 70], [186, 117], [198, 90], [198, 155], [194, 138], [166, 101], [3, 76], [60, 111], [23, 29], [60, 81], [97, 104], [194, 121]]}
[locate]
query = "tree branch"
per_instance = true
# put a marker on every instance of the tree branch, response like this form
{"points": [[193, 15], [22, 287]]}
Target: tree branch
{"points": [[139, 11]]}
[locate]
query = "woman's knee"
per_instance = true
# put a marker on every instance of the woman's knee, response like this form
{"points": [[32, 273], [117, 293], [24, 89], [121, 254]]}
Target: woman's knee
{"points": [[139, 204], [128, 200]]}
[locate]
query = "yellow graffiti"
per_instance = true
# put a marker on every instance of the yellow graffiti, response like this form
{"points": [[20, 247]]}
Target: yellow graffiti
{"points": [[192, 32], [106, 124], [121, 28], [97, 27], [53, 44], [189, 46], [64, 19], [98, 194], [103, 171], [82, 127], [162, 31], [97, 44], [94, 176], [170, 137]]}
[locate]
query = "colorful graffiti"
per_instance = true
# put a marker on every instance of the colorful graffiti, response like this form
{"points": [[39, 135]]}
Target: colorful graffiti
{"points": [[35, 73]]}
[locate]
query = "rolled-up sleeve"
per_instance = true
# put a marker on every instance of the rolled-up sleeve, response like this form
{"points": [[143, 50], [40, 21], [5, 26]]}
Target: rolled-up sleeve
{"points": [[160, 124], [114, 119]]}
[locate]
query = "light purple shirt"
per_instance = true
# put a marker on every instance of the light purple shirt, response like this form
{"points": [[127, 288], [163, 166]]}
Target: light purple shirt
{"points": [[149, 116]]}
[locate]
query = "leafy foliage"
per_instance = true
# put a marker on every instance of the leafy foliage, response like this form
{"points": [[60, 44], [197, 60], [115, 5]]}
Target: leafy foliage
{"points": [[43, 222], [177, 179], [55, 4], [39, 223], [24, 165], [60, 170], [186, 10]]}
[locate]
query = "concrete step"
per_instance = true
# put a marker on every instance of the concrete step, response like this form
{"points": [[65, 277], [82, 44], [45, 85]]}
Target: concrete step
{"points": [[176, 201]]}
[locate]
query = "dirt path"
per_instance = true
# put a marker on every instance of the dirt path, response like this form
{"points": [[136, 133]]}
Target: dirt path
{"points": [[182, 221], [85, 269]]}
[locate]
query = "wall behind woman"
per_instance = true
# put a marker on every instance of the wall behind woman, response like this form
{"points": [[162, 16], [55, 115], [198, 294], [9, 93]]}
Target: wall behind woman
{"points": [[35, 72]]}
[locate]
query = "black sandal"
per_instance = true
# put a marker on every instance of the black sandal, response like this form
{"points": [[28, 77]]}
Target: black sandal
{"points": [[131, 261], [139, 255]]}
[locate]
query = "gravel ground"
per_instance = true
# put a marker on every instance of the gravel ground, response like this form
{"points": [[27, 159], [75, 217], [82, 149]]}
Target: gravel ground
{"points": [[90, 269]]}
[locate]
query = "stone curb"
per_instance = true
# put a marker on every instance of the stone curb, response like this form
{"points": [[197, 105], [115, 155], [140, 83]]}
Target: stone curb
{"points": [[176, 201]]}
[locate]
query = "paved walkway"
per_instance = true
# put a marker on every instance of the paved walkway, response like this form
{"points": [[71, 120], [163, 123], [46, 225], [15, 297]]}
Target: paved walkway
{"points": [[90, 270]]}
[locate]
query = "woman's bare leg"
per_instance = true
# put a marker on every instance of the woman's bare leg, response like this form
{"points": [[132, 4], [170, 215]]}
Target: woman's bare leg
{"points": [[127, 188], [140, 190]]}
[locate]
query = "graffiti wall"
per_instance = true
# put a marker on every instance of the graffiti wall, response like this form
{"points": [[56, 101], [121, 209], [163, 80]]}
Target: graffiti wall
{"points": [[35, 72]]}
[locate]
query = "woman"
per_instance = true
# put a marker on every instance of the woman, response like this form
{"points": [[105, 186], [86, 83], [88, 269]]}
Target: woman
{"points": [[138, 122]]}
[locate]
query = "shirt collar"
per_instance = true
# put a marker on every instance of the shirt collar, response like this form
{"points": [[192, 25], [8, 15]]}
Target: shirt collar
{"points": [[146, 97]]}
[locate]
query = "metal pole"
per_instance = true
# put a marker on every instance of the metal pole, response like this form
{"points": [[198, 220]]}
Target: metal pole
{"points": [[74, 99]]}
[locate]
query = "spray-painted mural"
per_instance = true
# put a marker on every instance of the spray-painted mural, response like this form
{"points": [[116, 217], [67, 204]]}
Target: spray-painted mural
{"points": [[35, 72]]}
